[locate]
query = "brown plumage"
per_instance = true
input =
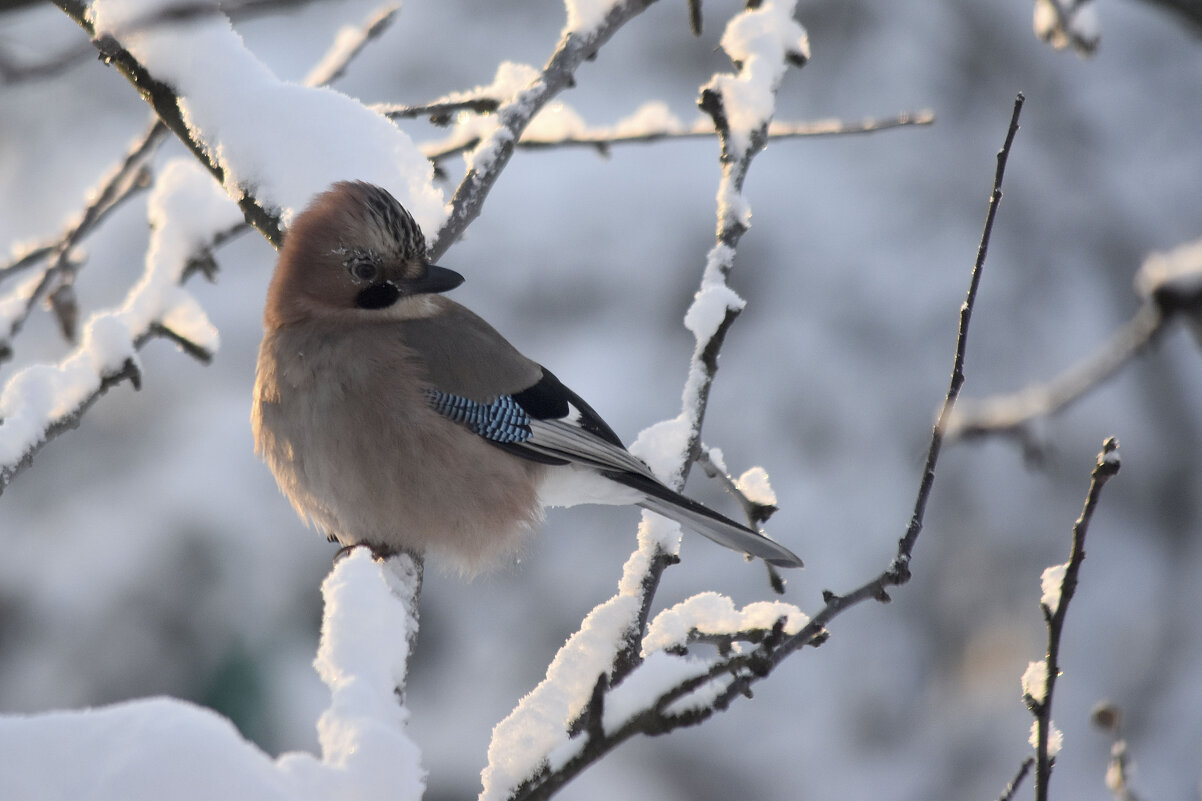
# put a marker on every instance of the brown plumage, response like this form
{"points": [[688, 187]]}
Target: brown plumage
{"points": [[394, 417]]}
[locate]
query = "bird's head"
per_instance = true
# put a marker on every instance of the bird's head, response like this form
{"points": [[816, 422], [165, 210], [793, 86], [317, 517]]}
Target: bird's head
{"points": [[354, 249]]}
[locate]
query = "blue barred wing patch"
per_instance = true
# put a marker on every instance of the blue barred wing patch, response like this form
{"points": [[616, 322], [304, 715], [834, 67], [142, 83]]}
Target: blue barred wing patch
{"points": [[503, 420]]}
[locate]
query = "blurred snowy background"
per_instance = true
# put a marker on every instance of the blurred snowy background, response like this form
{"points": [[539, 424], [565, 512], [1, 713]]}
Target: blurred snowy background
{"points": [[150, 553]]}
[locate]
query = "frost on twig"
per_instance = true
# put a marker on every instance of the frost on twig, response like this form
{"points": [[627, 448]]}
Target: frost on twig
{"points": [[1169, 285], [1058, 583]]}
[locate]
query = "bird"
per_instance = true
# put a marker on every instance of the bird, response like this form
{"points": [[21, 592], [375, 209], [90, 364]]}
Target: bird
{"points": [[394, 417]]}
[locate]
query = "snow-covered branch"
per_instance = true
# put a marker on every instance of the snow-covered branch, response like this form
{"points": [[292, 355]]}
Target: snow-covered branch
{"points": [[126, 179], [617, 676], [559, 127], [762, 42], [589, 26], [190, 217]]}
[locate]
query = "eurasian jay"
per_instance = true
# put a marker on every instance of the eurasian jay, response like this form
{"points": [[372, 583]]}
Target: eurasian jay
{"points": [[396, 418]]}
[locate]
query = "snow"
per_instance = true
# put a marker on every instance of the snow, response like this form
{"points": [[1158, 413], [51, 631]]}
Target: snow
{"points": [[556, 120], [754, 484], [166, 748], [365, 639], [710, 306], [1035, 680], [1177, 271], [584, 16], [642, 689], [652, 117], [282, 142], [184, 206], [759, 41], [662, 445], [537, 726], [1050, 582], [349, 40], [144, 749], [710, 613], [1055, 738]]}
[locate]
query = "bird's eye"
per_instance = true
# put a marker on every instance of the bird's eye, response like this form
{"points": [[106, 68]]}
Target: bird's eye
{"points": [[363, 268]]}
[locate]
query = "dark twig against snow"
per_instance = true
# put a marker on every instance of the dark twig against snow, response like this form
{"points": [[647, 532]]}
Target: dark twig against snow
{"points": [[710, 686], [1016, 782], [1060, 582], [734, 675], [704, 360]]}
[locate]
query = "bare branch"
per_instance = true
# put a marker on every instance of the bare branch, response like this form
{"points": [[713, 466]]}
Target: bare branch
{"points": [[1013, 414], [755, 511], [11, 72], [440, 111], [1055, 606], [1012, 787]]}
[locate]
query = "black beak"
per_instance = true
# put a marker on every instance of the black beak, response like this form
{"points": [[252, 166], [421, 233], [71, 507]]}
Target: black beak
{"points": [[437, 279]]}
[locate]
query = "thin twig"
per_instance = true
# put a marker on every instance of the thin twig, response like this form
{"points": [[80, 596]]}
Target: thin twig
{"points": [[1012, 787], [602, 139], [695, 17], [123, 182], [703, 362], [750, 667], [12, 72], [1014, 413], [1106, 466], [572, 50], [755, 511], [440, 111]]}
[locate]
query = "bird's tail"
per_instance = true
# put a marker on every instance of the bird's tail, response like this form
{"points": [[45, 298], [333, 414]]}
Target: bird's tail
{"points": [[719, 528]]}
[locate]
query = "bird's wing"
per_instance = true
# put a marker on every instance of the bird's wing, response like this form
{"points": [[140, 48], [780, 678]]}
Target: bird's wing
{"points": [[548, 423], [545, 422]]}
